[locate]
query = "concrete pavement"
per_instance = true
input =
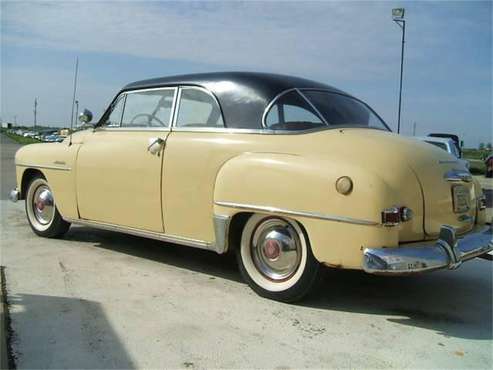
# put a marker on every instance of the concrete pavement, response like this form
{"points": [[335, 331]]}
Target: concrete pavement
{"points": [[8, 147], [98, 299]]}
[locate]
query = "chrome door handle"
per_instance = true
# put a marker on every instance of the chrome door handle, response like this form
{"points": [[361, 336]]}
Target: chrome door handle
{"points": [[155, 145]]}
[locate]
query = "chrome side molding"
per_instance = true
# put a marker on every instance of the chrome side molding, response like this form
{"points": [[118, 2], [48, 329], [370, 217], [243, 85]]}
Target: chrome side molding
{"points": [[320, 216], [59, 168]]}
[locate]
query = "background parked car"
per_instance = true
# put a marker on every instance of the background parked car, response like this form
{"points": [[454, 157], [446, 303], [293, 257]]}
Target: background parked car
{"points": [[446, 144], [455, 138], [489, 166]]}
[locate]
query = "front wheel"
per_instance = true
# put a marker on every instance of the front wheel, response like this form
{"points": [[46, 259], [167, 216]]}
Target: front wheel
{"points": [[41, 211], [275, 258]]}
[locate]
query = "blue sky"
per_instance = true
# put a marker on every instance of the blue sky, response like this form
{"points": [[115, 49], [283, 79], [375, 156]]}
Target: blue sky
{"points": [[354, 46]]}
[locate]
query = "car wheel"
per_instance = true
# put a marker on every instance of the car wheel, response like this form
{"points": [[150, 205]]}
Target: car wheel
{"points": [[41, 211], [275, 258]]}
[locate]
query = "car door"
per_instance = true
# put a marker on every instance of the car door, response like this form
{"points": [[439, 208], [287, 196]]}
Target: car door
{"points": [[119, 165], [196, 148]]}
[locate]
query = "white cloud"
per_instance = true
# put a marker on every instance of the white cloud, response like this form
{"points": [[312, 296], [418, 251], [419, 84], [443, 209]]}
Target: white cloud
{"points": [[265, 35]]}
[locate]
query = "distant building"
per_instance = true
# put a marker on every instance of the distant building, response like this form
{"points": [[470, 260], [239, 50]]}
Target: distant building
{"points": [[6, 125]]}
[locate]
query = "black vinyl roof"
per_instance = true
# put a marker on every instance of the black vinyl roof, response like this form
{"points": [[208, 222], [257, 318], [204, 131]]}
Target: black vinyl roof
{"points": [[243, 96]]}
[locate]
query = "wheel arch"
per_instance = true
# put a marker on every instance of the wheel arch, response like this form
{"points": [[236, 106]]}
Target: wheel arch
{"points": [[27, 176]]}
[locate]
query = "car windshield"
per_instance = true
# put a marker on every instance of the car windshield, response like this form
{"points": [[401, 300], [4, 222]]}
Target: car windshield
{"points": [[343, 110]]}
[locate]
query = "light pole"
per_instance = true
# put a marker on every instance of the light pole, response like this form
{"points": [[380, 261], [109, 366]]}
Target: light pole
{"points": [[35, 112], [398, 18], [76, 111]]}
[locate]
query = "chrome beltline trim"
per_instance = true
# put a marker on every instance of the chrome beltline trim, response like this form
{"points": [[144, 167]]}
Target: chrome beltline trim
{"points": [[316, 215], [143, 233], [59, 168]]}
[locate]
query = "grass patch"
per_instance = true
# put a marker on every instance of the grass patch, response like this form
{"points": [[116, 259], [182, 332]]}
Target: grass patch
{"points": [[477, 167], [475, 153], [21, 139]]}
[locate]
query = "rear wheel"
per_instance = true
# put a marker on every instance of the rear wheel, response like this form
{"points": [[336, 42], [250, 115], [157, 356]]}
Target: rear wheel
{"points": [[41, 211], [275, 258]]}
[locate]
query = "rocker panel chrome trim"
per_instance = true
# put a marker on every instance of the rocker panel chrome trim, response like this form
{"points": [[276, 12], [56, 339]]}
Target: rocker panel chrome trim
{"points": [[316, 215], [221, 231], [144, 233]]}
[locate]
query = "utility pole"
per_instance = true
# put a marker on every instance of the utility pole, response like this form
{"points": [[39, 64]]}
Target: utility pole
{"points": [[15, 120], [414, 129], [35, 112], [398, 18]]}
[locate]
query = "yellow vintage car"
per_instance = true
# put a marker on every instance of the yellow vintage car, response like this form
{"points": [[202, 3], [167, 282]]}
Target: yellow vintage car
{"points": [[285, 172]]}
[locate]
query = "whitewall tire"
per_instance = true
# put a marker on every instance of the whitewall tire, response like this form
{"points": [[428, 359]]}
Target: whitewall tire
{"points": [[275, 258], [41, 210]]}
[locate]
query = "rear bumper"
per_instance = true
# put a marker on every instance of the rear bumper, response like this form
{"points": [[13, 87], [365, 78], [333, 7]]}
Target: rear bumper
{"points": [[449, 251]]}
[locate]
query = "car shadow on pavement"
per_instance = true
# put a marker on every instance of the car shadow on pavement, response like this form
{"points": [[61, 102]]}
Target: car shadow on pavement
{"points": [[452, 303], [64, 333], [198, 260]]}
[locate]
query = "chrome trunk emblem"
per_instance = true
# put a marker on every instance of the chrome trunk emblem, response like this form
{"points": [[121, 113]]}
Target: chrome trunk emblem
{"points": [[458, 176]]}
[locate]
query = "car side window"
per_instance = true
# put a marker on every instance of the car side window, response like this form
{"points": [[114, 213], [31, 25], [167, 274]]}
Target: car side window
{"points": [[198, 109], [115, 117], [292, 112], [151, 108]]}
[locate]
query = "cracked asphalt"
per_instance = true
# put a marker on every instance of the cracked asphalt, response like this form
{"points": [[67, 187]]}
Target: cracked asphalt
{"points": [[98, 299]]}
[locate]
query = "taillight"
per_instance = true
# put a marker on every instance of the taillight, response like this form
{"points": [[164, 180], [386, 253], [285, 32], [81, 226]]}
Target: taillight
{"points": [[482, 202], [393, 216]]}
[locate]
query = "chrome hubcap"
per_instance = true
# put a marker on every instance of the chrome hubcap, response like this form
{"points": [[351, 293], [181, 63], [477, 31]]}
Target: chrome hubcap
{"points": [[43, 205], [276, 249]]}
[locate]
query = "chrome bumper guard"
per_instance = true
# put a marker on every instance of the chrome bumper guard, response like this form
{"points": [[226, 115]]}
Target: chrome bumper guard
{"points": [[448, 251], [14, 195]]}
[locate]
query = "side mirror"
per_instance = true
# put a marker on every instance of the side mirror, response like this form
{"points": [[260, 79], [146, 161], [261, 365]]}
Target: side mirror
{"points": [[85, 116]]}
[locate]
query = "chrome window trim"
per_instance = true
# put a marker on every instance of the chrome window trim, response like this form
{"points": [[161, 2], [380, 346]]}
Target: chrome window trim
{"points": [[123, 128], [316, 215], [178, 104], [59, 168], [134, 129], [177, 109], [269, 106], [259, 131], [313, 106]]}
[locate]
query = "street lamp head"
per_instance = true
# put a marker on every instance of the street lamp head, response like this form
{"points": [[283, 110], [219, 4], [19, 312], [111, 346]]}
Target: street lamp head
{"points": [[398, 13]]}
